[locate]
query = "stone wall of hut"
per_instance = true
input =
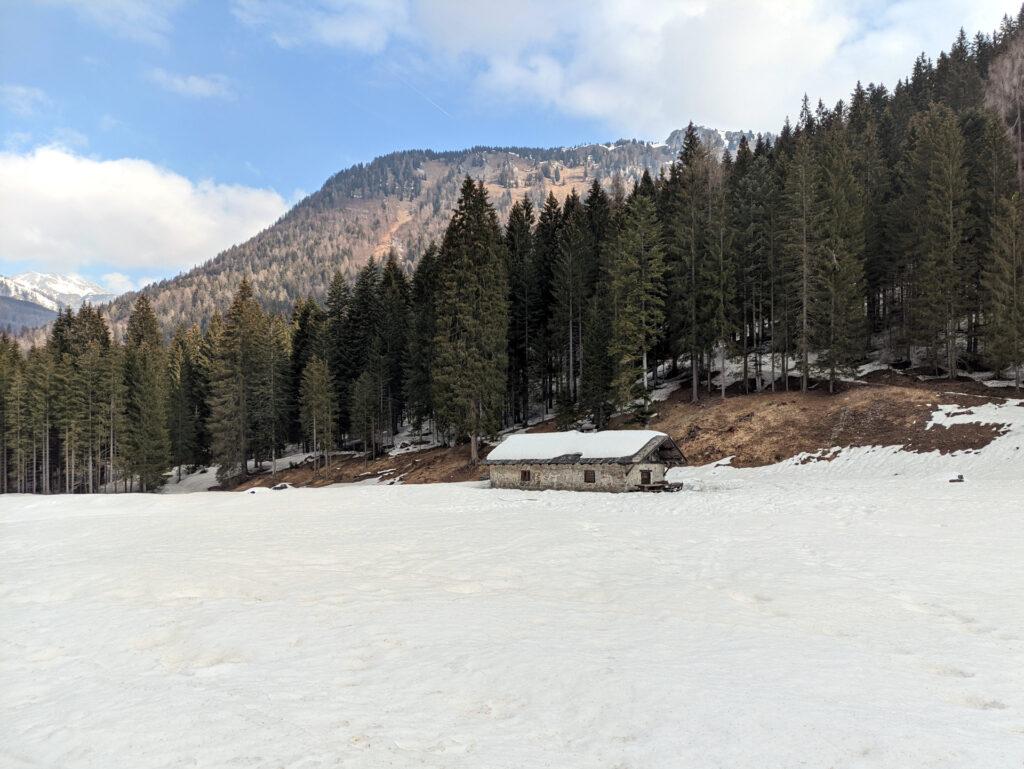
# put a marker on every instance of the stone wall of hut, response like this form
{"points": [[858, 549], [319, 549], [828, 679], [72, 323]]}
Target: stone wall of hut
{"points": [[571, 477]]}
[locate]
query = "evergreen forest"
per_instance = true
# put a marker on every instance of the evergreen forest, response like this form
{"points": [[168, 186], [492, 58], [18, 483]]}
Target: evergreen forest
{"points": [[891, 221]]}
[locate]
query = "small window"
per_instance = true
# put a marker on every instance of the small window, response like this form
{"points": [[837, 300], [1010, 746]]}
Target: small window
{"points": [[645, 477], [524, 476], [589, 476]]}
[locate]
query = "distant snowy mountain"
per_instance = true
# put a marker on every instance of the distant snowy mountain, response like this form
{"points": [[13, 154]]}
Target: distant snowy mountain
{"points": [[32, 299], [54, 291]]}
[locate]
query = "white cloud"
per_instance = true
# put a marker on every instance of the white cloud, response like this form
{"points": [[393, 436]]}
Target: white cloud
{"points": [[145, 21], [118, 282], [22, 100], [194, 86], [643, 68], [364, 25], [65, 212]]}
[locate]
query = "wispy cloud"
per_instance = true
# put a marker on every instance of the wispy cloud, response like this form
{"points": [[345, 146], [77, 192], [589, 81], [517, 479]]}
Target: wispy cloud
{"points": [[192, 86], [639, 68], [22, 100], [362, 25], [145, 21]]}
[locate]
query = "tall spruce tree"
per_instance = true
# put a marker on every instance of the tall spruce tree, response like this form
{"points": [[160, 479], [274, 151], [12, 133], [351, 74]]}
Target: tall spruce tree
{"points": [[147, 440], [839, 249], [1004, 290], [317, 407], [422, 332], [637, 282], [938, 198], [393, 333], [233, 397], [521, 284], [799, 235], [472, 321]]}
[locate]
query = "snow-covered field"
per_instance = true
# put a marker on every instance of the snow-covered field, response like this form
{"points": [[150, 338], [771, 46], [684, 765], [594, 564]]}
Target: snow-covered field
{"points": [[863, 612]]}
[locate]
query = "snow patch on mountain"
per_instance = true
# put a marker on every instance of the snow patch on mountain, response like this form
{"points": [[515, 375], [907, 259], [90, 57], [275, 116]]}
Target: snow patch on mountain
{"points": [[54, 291]]}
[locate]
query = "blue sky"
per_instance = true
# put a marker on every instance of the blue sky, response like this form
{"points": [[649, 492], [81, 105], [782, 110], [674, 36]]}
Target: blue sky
{"points": [[140, 137]]}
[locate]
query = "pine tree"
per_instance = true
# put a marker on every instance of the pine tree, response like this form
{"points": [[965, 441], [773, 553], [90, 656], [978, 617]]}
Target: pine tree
{"points": [[235, 360], [839, 246], [272, 396], [472, 320], [393, 333], [637, 282], [545, 259], [799, 232], [147, 440], [685, 224], [183, 419], [519, 249], [990, 178], [309, 338], [567, 317], [722, 266], [339, 298], [10, 362], [420, 350], [937, 195], [1004, 290], [368, 402], [317, 409]]}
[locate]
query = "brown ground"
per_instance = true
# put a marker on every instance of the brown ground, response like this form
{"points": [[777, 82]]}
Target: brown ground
{"points": [[437, 465], [763, 428], [756, 429]]}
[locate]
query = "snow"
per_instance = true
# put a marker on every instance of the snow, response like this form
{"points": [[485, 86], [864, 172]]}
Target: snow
{"points": [[53, 291], [607, 444], [205, 478], [861, 613]]}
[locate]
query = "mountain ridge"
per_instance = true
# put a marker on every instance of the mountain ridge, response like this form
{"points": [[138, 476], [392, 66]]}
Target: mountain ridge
{"points": [[31, 299], [399, 201]]}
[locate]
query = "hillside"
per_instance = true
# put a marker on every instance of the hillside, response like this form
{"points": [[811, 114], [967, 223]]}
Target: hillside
{"points": [[400, 201], [885, 408]]}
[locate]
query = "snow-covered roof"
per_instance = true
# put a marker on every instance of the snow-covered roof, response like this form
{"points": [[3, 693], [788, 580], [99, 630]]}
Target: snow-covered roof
{"points": [[573, 446]]}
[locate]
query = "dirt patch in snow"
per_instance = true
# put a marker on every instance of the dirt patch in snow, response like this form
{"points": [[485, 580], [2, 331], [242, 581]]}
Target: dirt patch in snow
{"points": [[765, 428], [435, 465]]}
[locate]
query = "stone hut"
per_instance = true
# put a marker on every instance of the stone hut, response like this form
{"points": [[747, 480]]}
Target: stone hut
{"points": [[610, 460]]}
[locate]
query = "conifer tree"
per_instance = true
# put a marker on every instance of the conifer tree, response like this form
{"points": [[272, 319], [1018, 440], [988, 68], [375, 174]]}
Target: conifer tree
{"points": [[423, 329], [722, 266], [685, 223], [799, 233], [637, 274], [146, 437], [567, 317], [272, 401], [519, 249], [339, 298], [393, 333], [472, 320], [317, 407], [1004, 290], [233, 400], [937, 195], [183, 419], [367, 404], [839, 268], [309, 333], [545, 259]]}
